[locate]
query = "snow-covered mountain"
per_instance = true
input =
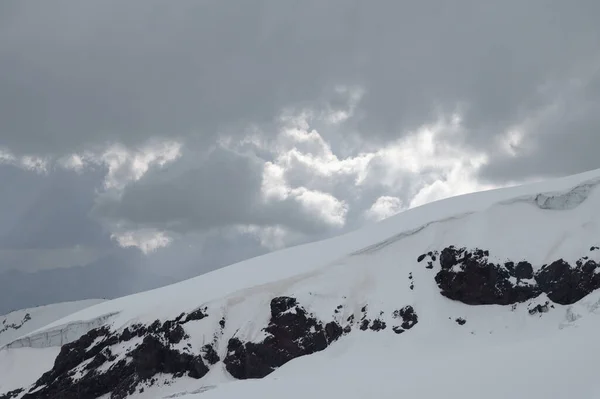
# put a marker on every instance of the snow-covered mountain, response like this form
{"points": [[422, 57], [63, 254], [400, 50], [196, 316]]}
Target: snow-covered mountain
{"points": [[488, 295], [21, 322]]}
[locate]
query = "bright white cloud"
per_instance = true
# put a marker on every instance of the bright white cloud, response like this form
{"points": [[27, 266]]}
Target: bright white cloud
{"points": [[384, 207], [147, 240], [426, 165], [125, 165], [323, 205]]}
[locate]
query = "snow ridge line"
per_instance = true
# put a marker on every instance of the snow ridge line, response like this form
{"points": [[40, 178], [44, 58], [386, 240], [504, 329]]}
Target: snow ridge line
{"points": [[550, 200], [559, 200], [382, 244], [58, 336]]}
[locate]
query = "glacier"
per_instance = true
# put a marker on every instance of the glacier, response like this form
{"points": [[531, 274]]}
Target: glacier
{"points": [[485, 295]]}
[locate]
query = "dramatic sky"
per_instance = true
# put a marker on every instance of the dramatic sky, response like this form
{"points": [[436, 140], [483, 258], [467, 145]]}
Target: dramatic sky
{"points": [[204, 132]]}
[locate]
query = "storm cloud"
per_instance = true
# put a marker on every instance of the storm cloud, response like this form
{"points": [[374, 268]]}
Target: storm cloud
{"points": [[278, 122]]}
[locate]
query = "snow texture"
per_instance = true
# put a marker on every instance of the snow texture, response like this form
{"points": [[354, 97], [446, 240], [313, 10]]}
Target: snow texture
{"points": [[22, 322]]}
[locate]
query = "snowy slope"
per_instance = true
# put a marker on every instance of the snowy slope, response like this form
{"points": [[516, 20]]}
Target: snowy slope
{"points": [[21, 322], [474, 296], [20, 368]]}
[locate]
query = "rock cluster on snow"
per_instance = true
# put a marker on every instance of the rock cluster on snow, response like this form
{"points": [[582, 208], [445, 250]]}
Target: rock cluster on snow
{"points": [[292, 332], [88, 368], [121, 363], [470, 277]]}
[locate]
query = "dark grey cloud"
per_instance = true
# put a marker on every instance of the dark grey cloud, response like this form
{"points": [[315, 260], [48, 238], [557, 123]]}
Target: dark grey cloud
{"points": [[563, 140], [56, 215], [80, 73], [221, 190], [45, 219]]}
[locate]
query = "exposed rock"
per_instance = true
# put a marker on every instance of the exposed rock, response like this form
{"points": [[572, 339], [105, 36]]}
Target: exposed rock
{"points": [[539, 308], [378, 325], [14, 326], [565, 284], [409, 317], [103, 374], [523, 270], [461, 321], [432, 258], [469, 277], [11, 394], [292, 332], [333, 331], [364, 324], [210, 355], [197, 314]]}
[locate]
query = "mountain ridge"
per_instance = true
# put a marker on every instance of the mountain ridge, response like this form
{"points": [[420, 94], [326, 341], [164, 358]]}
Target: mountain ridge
{"points": [[492, 268]]}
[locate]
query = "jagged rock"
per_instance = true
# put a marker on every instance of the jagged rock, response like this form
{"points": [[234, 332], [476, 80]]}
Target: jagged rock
{"points": [[197, 314], [364, 324], [210, 354], [523, 270], [292, 332], [467, 276], [565, 284], [378, 325], [408, 315], [11, 394], [103, 374], [333, 331], [539, 308]]}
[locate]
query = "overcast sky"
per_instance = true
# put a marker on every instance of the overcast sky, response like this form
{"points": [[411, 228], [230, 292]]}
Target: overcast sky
{"points": [[204, 132]]}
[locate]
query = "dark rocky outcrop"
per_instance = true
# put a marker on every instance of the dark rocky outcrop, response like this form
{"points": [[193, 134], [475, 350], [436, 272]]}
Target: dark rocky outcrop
{"points": [[378, 325], [292, 332], [210, 354], [469, 277], [460, 321], [90, 367], [409, 318], [11, 394], [100, 372], [565, 284], [432, 255], [539, 308], [14, 326]]}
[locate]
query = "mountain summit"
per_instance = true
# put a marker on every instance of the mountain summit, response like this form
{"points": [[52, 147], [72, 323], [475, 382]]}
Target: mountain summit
{"points": [[486, 295]]}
